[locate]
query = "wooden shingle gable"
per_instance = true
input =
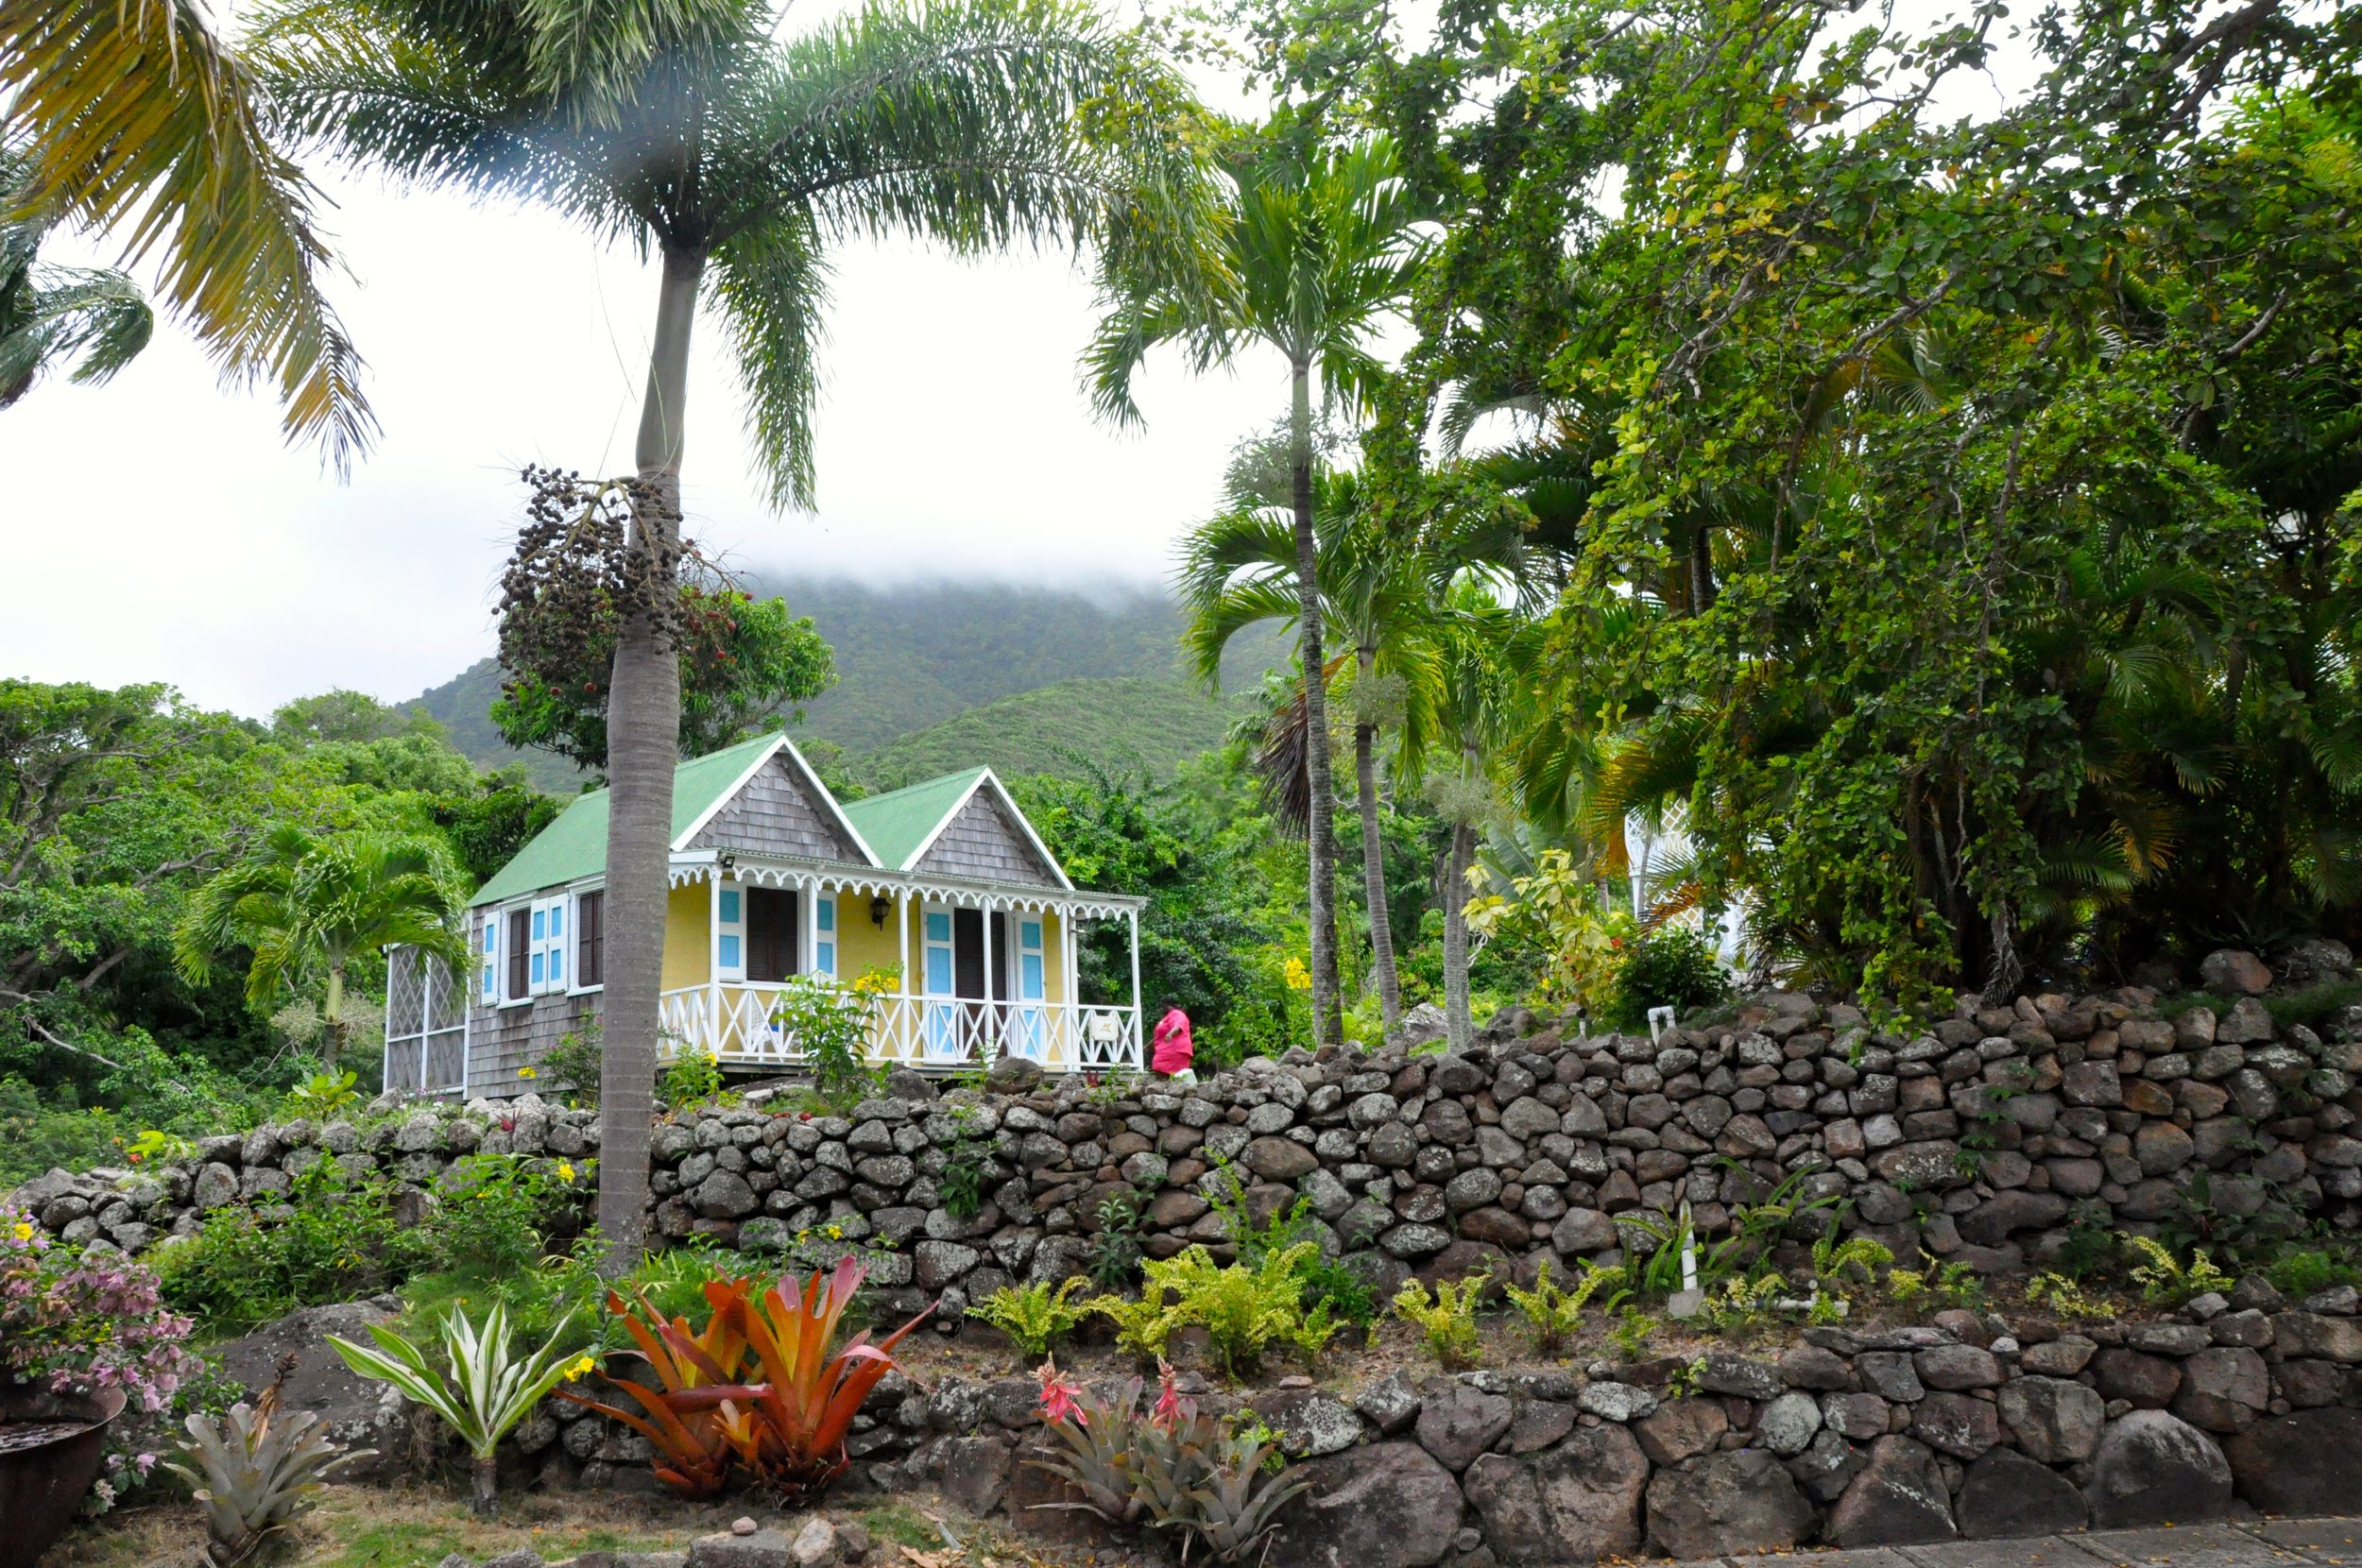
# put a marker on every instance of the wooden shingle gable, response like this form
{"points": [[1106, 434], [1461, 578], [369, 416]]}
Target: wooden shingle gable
{"points": [[987, 839], [781, 808]]}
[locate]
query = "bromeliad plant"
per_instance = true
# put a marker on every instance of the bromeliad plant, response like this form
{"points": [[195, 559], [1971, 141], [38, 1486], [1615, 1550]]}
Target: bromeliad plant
{"points": [[489, 1390], [759, 1393], [256, 1470], [1171, 1467]]}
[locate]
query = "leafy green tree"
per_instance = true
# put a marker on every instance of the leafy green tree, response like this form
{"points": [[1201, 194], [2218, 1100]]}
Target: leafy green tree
{"points": [[344, 714], [308, 906], [1322, 250], [50, 315], [743, 660], [738, 160], [137, 117]]}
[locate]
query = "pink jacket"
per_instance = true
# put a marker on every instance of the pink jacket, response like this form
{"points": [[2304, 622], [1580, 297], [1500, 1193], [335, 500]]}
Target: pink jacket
{"points": [[1172, 1042]]}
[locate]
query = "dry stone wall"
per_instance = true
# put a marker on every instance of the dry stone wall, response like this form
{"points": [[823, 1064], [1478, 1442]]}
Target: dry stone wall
{"points": [[1980, 1141]]}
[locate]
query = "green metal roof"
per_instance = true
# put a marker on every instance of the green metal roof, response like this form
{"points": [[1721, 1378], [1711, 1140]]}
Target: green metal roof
{"points": [[897, 822], [576, 844]]}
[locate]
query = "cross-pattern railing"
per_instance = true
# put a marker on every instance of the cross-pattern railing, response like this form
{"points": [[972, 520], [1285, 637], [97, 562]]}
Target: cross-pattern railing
{"points": [[426, 1026], [733, 1024]]}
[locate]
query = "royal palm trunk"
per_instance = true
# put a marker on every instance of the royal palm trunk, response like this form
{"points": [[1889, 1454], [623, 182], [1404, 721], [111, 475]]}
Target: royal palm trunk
{"points": [[1374, 862], [1459, 1025], [1329, 1027], [643, 744]]}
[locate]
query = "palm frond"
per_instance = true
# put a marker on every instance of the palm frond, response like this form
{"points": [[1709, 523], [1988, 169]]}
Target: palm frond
{"points": [[135, 115]]}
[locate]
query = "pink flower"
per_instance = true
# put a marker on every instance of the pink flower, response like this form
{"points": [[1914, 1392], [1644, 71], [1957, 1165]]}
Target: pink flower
{"points": [[1057, 1395], [1171, 1409]]}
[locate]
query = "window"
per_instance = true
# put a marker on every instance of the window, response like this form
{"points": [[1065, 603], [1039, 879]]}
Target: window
{"points": [[590, 934], [824, 935], [771, 916], [730, 940], [517, 947], [491, 961], [548, 969]]}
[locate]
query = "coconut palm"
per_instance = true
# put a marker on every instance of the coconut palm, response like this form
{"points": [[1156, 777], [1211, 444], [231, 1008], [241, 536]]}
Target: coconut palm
{"points": [[52, 315], [738, 162], [310, 906], [135, 113], [1239, 569], [1322, 250]]}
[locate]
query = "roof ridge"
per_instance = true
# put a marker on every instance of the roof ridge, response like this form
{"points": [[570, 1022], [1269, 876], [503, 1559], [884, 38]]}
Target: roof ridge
{"points": [[921, 784]]}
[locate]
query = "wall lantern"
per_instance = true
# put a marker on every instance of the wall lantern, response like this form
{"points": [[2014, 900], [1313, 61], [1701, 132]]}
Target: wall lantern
{"points": [[878, 907]]}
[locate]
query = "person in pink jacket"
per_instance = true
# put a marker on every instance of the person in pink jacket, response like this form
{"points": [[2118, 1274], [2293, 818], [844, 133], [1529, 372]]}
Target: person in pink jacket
{"points": [[1172, 1049]]}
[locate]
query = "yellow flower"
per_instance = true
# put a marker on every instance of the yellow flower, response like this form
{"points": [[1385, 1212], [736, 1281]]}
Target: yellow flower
{"points": [[527, 1072], [1299, 978], [583, 1367], [24, 1231], [565, 1170]]}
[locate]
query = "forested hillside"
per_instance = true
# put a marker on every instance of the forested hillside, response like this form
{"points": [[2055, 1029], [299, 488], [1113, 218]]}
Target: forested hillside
{"points": [[912, 659]]}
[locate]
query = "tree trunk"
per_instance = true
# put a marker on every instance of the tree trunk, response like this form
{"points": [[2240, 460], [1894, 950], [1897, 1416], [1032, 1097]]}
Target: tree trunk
{"points": [[1374, 863], [1459, 1025], [332, 1016], [1329, 1024], [483, 1480], [643, 744]]}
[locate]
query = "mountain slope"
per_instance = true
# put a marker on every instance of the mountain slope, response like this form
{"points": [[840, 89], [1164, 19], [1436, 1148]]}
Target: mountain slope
{"points": [[913, 660], [1119, 724]]}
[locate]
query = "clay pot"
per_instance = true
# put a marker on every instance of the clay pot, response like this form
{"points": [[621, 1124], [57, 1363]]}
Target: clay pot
{"points": [[43, 1483]]}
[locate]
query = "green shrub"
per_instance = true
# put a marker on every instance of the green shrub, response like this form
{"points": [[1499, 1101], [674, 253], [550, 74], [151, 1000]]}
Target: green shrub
{"points": [[573, 1063], [692, 1079], [338, 1240], [1672, 966], [2308, 1271], [829, 1025], [495, 1213], [1243, 1309], [1552, 1312]]}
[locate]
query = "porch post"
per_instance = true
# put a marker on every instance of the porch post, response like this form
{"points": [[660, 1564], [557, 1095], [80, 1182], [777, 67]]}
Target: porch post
{"points": [[903, 928], [990, 1036], [714, 961], [1139, 1023]]}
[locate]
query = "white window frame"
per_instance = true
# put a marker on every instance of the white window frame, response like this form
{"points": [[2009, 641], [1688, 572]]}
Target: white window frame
{"points": [[491, 973], [525, 997], [821, 935], [574, 940], [548, 968], [727, 895]]}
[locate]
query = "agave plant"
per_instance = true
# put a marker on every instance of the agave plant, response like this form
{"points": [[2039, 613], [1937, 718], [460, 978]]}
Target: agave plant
{"points": [[1235, 1507], [494, 1389], [256, 1470], [761, 1392]]}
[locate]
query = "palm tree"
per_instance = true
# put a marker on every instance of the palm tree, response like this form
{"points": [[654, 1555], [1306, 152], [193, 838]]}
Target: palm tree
{"points": [[1321, 250], [134, 113], [50, 315], [738, 161], [310, 906], [1239, 568], [1469, 719]]}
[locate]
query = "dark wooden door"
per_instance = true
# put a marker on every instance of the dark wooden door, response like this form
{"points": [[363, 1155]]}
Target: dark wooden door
{"points": [[772, 929]]}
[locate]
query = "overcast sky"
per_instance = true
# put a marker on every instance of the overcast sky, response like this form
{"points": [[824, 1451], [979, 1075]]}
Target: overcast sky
{"points": [[159, 529]]}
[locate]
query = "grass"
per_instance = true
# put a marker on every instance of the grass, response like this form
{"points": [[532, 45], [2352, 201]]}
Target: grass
{"points": [[899, 1524], [360, 1527]]}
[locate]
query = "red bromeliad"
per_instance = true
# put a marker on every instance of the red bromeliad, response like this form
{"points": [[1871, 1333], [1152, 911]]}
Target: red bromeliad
{"points": [[759, 1393]]}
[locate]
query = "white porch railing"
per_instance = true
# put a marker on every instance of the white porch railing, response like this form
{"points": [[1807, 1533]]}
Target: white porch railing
{"points": [[733, 1023]]}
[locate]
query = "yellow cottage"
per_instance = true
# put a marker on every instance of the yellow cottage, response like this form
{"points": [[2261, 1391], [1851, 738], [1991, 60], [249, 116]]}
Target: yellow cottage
{"points": [[944, 882]]}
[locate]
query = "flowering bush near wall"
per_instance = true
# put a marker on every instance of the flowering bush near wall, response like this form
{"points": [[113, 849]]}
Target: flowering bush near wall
{"points": [[78, 1322]]}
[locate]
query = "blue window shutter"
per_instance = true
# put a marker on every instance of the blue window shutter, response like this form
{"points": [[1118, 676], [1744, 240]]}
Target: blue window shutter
{"points": [[541, 922], [536, 968], [729, 953], [938, 928], [557, 966], [730, 906], [939, 970], [824, 913], [826, 964], [557, 920], [1029, 932], [1033, 978]]}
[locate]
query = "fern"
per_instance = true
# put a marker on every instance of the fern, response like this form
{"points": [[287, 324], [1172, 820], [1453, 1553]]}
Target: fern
{"points": [[1244, 1310], [2065, 1297], [1033, 1316], [1447, 1320], [1553, 1313], [2165, 1280]]}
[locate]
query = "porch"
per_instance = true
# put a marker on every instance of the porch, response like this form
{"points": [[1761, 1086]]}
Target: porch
{"points": [[733, 1023]]}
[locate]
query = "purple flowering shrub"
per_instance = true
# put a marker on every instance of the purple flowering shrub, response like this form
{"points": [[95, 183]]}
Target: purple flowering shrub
{"points": [[78, 1322]]}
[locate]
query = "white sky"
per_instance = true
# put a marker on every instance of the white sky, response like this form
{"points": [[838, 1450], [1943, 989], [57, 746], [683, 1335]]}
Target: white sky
{"points": [[159, 529]]}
